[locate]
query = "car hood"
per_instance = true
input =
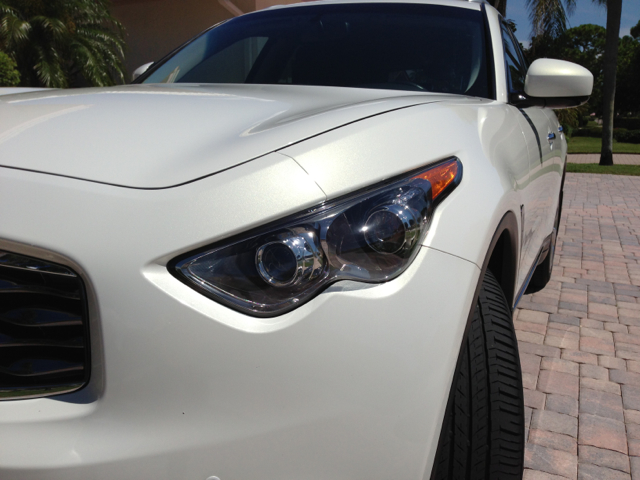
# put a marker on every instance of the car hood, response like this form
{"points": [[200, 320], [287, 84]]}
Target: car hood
{"points": [[158, 136]]}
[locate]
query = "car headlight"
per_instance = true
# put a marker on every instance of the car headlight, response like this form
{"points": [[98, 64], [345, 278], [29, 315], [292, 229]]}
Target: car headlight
{"points": [[371, 236]]}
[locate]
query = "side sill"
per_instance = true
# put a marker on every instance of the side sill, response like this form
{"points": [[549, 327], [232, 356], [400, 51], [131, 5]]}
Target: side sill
{"points": [[542, 255]]}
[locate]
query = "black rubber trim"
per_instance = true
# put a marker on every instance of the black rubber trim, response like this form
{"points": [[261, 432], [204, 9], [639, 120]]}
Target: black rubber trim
{"points": [[535, 131], [491, 67]]}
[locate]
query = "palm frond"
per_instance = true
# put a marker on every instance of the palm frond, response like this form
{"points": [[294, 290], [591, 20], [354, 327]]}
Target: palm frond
{"points": [[54, 41]]}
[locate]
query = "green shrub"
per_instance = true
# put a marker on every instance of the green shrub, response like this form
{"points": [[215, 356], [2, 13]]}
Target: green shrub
{"points": [[628, 123], [594, 132], [620, 134], [9, 76], [626, 136], [568, 130]]}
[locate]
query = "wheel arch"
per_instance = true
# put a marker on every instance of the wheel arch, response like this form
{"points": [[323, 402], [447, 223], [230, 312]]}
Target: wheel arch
{"points": [[502, 256]]}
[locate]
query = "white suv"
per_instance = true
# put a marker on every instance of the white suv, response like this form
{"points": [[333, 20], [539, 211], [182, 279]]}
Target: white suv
{"points": [[290, 250]]}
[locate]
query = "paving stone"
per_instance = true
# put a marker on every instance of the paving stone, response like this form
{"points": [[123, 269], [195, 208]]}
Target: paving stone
{"points": [[551, 461], [573, 313], [595, 293], [586, 471], [551, 381], [593, 371], [603, 309], [604, 458], [539, 307], [601, 404], [633, 431], [579, 357], [565, 327], [591, 323], [531, 363], [562, 404], [628, 346], [564, 319], [529, 380], [600, 385], [628, 305], [555, 422], [616, 327], [530, 327], [554, 440], [534, 399], [596, 333], [629, 321], [541, 350], [612, 362], [538, 475], [597, 346], [530, 337], [532, 316], [632, 416], [562, 342], [627, 354], [559, 365], [602, 432], [624, 312], [528, 411], [634, 447], [626, 338], [573, 306], [632, 366], [625, 378], [635, 467]]}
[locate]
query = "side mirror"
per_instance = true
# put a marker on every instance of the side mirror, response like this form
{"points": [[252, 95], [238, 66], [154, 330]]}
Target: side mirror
{"points": [[140, 70], [555, 84]]}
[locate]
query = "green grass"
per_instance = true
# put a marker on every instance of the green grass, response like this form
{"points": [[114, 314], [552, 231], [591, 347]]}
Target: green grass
{"points": [[610, 170], [593, 145]]}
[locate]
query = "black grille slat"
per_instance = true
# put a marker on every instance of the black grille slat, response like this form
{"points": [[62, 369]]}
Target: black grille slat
{"points": [[40, 318], [44, 342]]}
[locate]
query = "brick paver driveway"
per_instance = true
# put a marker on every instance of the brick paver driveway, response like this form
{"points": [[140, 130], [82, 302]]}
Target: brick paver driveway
{"points": [[580, 339]]}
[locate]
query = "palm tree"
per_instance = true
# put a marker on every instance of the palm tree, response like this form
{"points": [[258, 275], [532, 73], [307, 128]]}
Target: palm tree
{"points": [[549, 17], [614, 12], [58, 43]]}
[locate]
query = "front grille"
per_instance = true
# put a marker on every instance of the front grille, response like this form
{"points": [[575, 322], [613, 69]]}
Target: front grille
{"points": [[44, 334]]}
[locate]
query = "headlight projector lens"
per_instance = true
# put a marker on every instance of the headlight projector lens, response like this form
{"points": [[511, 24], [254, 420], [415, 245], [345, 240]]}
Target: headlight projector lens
{"points": [[392, 228], [289, 260]]}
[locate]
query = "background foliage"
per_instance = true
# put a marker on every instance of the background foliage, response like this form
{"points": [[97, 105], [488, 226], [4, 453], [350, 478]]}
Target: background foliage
{"points": [[62, 43], [9, 76]]}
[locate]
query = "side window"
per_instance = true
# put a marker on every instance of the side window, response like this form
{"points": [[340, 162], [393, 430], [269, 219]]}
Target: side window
{"points": [[516, 69]]}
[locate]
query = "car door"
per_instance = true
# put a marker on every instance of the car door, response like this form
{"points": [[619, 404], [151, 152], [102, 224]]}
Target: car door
{"points": [[536, 128]]}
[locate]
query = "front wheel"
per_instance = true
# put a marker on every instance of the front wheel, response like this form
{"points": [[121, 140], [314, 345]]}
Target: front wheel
{"points": [[483, 431]]}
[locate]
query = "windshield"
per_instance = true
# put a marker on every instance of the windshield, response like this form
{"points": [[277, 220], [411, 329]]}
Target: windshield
{"points": [[393, 46]]}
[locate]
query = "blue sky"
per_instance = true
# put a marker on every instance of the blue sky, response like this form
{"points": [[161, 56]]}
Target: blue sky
{"points": [[586, 12]]}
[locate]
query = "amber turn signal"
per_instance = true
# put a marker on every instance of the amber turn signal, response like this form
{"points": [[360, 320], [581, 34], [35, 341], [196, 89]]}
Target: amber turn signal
{"points": [[440, 176]]}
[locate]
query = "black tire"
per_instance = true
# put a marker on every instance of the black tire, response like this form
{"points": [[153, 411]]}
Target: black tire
{"points": [[483, 432]]}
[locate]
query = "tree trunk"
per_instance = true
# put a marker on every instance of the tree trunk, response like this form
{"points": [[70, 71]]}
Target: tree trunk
{"points": [[614, 11]]}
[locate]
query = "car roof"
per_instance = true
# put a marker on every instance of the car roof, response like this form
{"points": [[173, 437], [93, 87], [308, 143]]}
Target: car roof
{"points": [[469, 4]]}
